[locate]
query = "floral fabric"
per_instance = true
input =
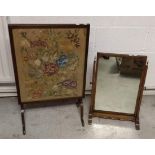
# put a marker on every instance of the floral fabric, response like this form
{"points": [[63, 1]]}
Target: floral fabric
{"points": [[50, 62]]}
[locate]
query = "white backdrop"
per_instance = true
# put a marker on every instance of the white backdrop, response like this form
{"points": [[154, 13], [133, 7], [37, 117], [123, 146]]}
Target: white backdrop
{"points": [[132, 35]]}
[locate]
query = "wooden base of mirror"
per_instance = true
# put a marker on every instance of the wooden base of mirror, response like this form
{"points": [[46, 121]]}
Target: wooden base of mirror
{"points": [[115, 117]]}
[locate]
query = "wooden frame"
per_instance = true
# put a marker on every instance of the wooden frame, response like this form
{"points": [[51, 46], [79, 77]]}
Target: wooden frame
{"points": [[116, 115], [62, 29]]}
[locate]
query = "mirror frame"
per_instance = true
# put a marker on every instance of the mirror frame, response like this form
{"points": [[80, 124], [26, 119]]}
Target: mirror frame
{"points": [[117, 115]]}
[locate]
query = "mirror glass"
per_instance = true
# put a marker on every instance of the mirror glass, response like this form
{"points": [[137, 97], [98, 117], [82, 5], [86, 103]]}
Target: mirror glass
{"points": [[117, 83]]}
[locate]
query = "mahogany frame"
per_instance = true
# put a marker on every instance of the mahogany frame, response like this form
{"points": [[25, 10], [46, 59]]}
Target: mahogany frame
{"points": [[116, 115], [33, 104]]}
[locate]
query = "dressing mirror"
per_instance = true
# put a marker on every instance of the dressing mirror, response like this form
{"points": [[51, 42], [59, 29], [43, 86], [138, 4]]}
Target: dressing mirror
{"points": [[117, 87]]}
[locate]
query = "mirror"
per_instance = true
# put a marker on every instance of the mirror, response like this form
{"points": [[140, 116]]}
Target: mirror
{"points": [[118, 82]]}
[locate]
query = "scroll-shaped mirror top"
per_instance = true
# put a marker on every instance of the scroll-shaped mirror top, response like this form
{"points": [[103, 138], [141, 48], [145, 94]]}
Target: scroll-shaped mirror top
{"points": [[117, 84]]}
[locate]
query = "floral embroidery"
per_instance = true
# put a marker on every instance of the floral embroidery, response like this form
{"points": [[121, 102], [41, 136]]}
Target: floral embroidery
{"points": [[37, 94], [50, 69], [62, 61], [52, 58], [38, 43], [69, 83], [74, 38]]}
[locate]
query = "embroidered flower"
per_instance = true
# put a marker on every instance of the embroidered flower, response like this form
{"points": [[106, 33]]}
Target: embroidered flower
{"points": [[62, 61], [37, 94], [37, 62], [50, 69]]}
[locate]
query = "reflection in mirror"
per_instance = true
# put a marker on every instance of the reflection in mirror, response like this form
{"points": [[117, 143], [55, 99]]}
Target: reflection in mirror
{"points": [[117, 84]]}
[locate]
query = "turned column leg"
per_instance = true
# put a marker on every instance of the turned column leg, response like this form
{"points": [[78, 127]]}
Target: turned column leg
{"points": [[90, 115], [23, 120], [90, 119], [81, 108], [80, 104], [137, 125]]}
